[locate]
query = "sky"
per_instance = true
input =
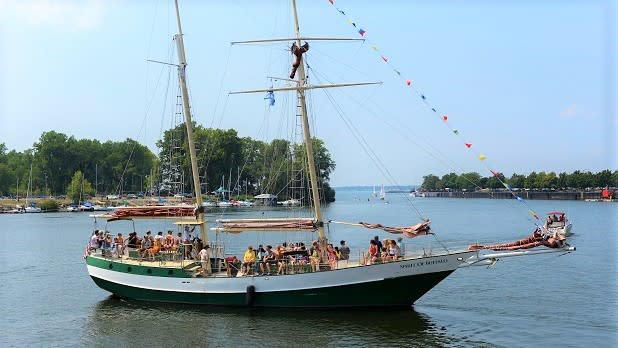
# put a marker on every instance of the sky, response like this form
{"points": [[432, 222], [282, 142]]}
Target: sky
{"points": [[529, 85]]}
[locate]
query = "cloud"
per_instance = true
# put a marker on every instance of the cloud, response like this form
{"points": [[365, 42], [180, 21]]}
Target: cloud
{"points": [[56, 14], [574, 111]]}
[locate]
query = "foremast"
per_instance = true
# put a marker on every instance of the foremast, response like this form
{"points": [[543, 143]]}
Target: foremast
{"points": [[313, 178], [182, 66]]}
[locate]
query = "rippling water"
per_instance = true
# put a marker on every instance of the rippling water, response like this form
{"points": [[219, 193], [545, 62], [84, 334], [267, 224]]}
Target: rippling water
{"points": [[47, 298]]}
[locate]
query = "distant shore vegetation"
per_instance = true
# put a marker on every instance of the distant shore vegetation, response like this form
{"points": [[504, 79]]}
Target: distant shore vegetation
{"points": [[61, 165], [533, 181]]}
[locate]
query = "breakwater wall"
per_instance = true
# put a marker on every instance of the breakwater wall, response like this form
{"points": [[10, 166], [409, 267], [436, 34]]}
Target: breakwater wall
{"points": [[548, 195]]}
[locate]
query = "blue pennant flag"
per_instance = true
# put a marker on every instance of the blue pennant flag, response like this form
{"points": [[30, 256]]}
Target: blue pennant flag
{"points": [[271, 98]]}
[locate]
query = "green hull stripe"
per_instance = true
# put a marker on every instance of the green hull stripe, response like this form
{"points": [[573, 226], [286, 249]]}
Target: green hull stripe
{"points": [[393, 292], [112, 265]]}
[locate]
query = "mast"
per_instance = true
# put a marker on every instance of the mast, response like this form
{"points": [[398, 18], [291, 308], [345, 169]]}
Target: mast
{"points": [[189, 123], [313, 178]]}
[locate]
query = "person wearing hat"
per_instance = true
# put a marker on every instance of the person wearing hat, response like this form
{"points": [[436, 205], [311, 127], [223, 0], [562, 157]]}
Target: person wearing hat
{"points": [[248, 260]]}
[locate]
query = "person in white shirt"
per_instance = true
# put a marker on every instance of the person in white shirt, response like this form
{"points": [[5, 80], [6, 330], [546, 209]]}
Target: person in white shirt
{"points": [[205, 259]]}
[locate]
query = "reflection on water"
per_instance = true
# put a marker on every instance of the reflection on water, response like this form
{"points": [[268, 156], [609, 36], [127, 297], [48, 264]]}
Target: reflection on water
{"points": [[120, 322]]}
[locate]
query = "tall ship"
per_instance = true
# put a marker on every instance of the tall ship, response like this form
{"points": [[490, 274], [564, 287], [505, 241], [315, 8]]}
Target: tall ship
{"points": [[303, 275]]}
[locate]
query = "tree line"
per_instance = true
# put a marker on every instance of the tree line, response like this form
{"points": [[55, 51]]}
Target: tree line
{"points": [[63, 165], [541, 180]]}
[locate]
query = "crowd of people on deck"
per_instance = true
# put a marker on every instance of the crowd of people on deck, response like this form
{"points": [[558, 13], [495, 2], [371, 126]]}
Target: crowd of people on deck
{"points": [[148, 246], [264, 260], [287, 258], [382, 251]]}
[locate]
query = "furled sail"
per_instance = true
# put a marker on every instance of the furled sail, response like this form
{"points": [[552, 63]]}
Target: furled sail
{"points": [[275, 224], [537, 238], [419, 229], [154, 212]]}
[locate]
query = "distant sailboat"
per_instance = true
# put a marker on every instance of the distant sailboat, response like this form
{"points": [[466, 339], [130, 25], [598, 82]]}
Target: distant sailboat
{"points": [[31, 208], [382, 193]]}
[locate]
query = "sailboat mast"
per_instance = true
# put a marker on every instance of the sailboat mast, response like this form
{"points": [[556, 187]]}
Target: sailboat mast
{"points": [[313, 178], [189, 123]]}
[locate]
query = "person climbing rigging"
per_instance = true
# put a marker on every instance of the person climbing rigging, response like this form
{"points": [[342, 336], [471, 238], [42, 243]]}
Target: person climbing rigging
{"points": [[298, 55]]}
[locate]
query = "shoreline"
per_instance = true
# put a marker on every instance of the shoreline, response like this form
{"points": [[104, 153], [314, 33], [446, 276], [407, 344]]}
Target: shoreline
{"points": [[528, 195]]}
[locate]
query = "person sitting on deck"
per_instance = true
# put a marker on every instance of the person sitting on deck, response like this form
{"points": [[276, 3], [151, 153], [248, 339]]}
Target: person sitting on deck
{"points": [[153, 250], [160, 237], [394, 252], [268, 258], [259, 260], [248, 260], [315, 257], [119, 242], [344, 250], [278, 254], [132, 240], [372, 253], [168, 244], [232, 264], [332, 256], [106, 245], [146, 244]]}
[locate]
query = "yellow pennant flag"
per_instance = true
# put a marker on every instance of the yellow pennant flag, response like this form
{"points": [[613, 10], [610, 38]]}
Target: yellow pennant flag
{"points": [[482, 157]]}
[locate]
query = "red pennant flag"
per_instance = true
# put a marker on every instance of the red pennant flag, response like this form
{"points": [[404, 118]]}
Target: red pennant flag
{"points": [[468, 145], [494, 173], [444, 118], [408, 82], [385, 59], [332, 2]]}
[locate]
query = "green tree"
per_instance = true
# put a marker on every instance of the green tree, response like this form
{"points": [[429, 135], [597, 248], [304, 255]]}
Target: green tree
{"points": [[79, 188], [517, 181], [431, 182]]}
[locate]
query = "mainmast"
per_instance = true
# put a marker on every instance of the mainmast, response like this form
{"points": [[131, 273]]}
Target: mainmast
{"points": [[189, 123], [313, 178]]}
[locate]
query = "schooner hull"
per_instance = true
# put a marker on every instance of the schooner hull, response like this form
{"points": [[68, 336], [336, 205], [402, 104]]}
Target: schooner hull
{"points": [[395, 284]]}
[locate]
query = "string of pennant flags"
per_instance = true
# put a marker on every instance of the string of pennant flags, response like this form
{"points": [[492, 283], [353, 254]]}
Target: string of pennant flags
{"points": [[443, 117]]}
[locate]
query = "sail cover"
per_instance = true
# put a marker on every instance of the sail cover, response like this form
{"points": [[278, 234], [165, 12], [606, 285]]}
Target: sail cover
{"points": [[153, 212], [275, 224], [420, 229]]}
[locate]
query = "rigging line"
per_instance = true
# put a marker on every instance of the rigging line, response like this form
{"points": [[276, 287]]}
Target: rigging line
{"points": [[381, 167], [434, 109], [368, 150]]}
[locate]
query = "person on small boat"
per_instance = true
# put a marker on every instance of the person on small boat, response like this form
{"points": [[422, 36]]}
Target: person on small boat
{"points": [[248, 260], [259, 259]]}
